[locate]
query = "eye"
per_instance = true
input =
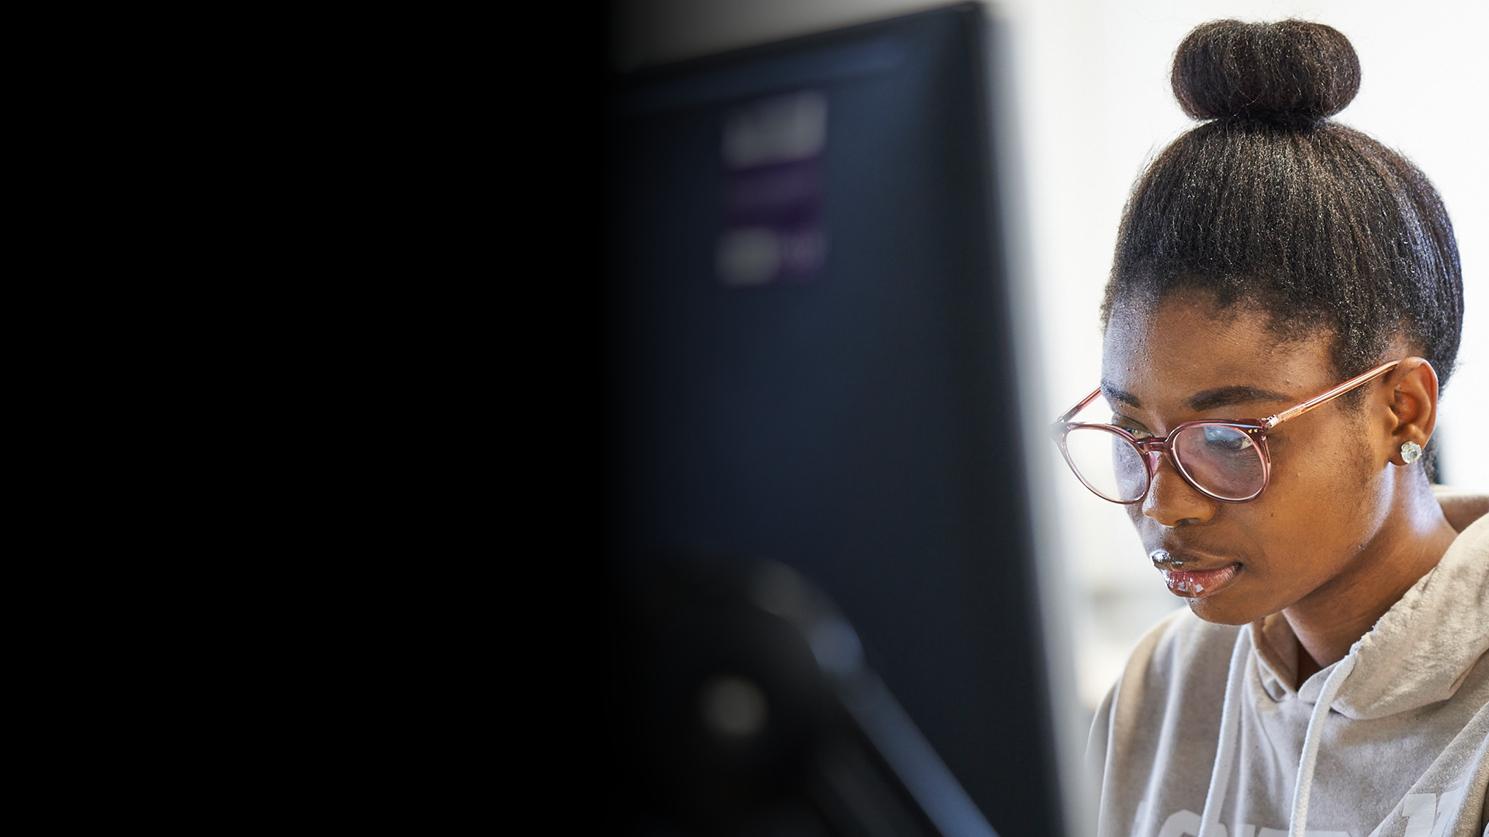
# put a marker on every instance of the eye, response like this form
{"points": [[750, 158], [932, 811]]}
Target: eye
{"points": [[1129, 425], [1226, 439]]}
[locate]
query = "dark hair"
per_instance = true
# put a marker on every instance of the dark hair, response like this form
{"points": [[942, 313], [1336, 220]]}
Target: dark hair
{"points": [[1271, 205]]}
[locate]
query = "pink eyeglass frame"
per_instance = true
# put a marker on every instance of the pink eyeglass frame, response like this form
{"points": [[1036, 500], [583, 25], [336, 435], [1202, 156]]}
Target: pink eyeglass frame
{"points": [[1152, 448]]}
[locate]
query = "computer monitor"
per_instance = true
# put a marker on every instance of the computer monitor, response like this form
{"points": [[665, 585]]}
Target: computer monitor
{"points": [[810, 348]]}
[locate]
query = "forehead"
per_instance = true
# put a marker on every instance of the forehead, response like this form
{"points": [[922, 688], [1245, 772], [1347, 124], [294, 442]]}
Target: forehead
{"points": [[1183, 345]]}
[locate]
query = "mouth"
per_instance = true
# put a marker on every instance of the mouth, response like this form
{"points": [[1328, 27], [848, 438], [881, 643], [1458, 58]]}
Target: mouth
{"points": [[1192, 582]]}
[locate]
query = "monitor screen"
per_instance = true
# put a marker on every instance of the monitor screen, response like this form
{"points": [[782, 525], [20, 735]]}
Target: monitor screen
{"points": [[809, 352]]}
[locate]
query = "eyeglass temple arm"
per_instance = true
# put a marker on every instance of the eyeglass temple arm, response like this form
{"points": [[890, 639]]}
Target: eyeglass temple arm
{"points": [[1293, 412], [1077, 408]]}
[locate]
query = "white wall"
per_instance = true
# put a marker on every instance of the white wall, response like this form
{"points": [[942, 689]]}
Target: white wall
{"points": [[1095, 106]]}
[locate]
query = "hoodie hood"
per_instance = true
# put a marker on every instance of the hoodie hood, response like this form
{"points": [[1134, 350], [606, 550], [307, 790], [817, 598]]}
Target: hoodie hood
{"points": [[1394, 670]]}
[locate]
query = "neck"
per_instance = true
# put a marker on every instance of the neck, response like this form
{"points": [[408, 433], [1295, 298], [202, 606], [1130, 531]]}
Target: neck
{"points": [[1406, 546]]}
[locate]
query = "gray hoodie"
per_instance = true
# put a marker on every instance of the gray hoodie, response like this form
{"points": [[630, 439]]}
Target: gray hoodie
{"points": [[1204, 733]]}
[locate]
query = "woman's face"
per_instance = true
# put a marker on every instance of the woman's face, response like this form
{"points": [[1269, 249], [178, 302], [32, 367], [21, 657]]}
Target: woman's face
{"points": [[1324, 503]]}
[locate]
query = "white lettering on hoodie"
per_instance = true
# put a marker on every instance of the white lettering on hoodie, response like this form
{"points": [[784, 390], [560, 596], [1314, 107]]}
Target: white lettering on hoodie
{"points": [[1186, 824]]}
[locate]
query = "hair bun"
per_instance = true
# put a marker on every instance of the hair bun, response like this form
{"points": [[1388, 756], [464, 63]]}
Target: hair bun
{"points": [[1291, 73]]}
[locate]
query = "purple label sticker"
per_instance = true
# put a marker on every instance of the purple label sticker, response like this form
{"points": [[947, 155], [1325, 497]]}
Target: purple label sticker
{"points": [[773, 181]]}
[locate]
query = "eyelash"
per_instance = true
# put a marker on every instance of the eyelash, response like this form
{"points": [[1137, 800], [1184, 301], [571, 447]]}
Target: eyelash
{"points": [[1129, 425]]}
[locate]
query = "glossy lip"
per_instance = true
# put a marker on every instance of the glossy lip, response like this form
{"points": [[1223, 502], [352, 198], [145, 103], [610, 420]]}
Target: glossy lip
{"points": [[1191, 561], [1195, 575], [1201, 584]]}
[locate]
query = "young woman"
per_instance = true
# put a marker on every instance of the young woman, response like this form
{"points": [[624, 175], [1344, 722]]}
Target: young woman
{"points": [[1283, 313]]}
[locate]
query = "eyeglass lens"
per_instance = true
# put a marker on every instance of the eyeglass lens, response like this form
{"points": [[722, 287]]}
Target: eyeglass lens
{"points": [[1222, 460]]}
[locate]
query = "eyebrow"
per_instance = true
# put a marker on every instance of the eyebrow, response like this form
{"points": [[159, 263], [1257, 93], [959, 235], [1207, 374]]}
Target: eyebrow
{"points": [[1206, 399], [1224, 396], [1125, 397]]}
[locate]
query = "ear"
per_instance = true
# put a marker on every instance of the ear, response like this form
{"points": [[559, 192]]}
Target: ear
{"points": [[1413, 405]]}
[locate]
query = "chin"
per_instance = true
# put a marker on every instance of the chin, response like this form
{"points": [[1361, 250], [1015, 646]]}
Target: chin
{"points": [[1220, 614]]}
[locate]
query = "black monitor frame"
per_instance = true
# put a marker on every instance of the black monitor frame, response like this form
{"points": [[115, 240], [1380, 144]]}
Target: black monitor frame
{"points": [[860, 424]]}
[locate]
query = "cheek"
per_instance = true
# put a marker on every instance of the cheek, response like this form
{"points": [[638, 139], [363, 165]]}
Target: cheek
{"points": [[1323, 464], [1321, 496]]}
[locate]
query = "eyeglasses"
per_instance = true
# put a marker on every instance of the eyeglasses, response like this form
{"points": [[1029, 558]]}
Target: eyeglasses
{"points": [[1224, 460]]}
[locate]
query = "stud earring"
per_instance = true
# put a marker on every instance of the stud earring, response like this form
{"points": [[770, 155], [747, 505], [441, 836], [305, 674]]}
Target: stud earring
{"points": [[1410, 452]]}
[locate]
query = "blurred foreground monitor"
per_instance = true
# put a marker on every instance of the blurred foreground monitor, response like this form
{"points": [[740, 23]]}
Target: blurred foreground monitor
{"points": [[820, 533]]}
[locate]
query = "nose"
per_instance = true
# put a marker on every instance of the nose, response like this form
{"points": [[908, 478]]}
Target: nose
{"points": [[1171, 501]]}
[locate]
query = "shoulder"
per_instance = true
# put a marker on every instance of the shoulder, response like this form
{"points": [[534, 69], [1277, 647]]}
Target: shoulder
{"points": [[1462, 507], [1182, 654], [1169, 693], [1182, 642]]}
